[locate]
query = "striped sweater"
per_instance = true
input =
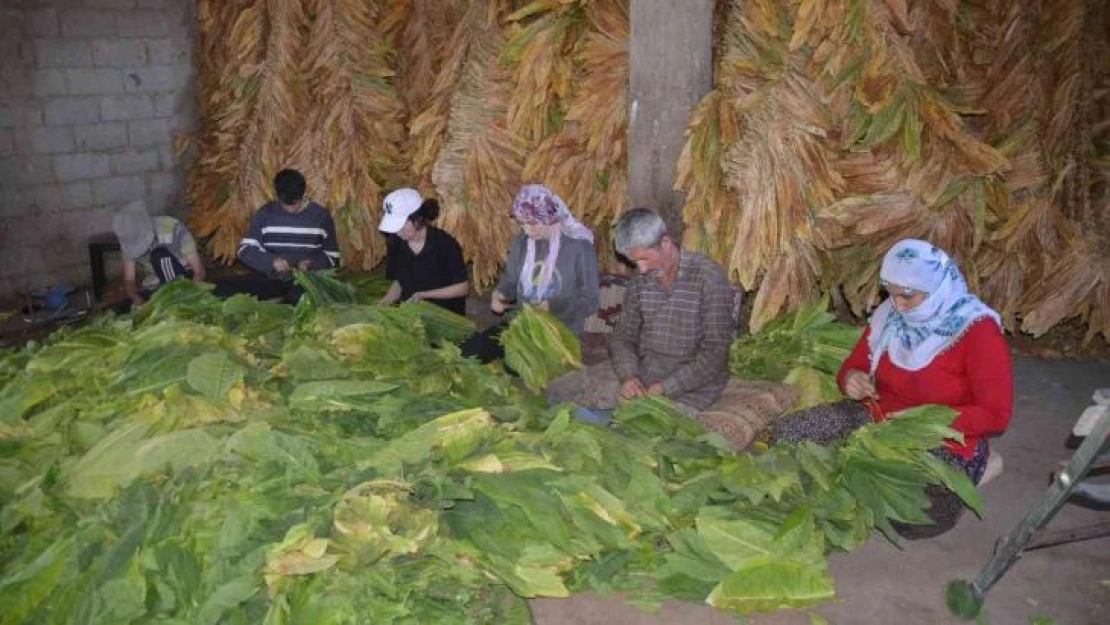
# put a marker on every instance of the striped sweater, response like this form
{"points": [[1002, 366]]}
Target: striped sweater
{"points": [[276, 233]]}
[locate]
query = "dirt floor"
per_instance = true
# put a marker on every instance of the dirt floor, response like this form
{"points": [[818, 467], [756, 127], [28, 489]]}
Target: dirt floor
{"points": [[884, 585]]}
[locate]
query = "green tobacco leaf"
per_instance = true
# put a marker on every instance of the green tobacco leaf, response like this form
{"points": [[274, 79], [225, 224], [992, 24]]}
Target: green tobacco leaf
{"points": [[956, 481], [127, 453], [811, 383], [817, 462], [337, 395], [25, 589], [213, 375], [539, 348], [227, 597], [305, 363], [693, 557], [259, 441], [735, 541], [655, 416], [529, 581], [798, 538], [323, 288], [121, 600], [16, 399], [768, 584]]}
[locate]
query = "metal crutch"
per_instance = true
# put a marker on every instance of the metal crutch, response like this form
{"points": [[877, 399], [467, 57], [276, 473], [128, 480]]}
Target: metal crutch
{"points": [[966, 599]]}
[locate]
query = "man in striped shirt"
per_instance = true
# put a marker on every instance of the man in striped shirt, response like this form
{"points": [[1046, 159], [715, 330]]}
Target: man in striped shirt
{"points": [[289, 233]]}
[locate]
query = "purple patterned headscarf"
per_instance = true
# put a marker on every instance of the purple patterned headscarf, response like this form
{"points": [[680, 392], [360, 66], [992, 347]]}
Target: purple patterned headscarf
{"points": [[536, 202]]}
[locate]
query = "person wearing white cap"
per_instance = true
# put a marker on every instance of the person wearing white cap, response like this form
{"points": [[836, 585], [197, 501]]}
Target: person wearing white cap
{"points": [[424, 262], [160, 248]]}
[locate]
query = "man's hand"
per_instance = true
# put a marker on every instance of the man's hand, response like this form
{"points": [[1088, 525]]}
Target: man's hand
{"points": [[305, 265], [632, 388], [857, 385], [417, 296], [544, 305], [281, 265], [655, 390]]}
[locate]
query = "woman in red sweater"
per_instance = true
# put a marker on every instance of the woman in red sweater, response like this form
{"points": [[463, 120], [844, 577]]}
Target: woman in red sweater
{"points": [[930, 342]]}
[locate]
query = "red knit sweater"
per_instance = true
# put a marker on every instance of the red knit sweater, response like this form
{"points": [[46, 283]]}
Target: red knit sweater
{"points": [[974, 376]]}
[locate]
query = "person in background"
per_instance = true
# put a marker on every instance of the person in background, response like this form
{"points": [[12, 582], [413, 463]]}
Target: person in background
{"points": [[930, 342], [161, 249], [289, 233], [424, 262], [552, 264]]}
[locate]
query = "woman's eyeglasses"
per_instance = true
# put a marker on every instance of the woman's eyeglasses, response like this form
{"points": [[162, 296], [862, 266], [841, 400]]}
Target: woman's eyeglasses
{"points": [[902, 293]]}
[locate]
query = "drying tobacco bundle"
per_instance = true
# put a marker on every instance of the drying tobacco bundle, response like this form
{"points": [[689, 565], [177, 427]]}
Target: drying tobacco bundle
{"points": [[837, 127]]}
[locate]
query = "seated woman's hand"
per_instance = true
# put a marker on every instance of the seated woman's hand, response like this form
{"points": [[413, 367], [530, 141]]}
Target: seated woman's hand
{"points": [[857, 385], [498, 304]]}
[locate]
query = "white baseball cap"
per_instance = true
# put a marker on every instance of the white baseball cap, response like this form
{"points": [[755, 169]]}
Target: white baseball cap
{"points": [[397, 208]]}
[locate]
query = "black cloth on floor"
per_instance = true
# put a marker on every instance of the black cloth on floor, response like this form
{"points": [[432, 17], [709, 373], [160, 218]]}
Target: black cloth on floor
{"points": [[486, 345], [260, 286]]}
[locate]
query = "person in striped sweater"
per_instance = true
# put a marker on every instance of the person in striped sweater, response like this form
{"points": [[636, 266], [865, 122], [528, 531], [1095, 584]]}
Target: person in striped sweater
{"points": [[289, 233]]}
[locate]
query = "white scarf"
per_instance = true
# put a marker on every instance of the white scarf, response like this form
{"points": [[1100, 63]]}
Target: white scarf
{"points": [[914, 338]]}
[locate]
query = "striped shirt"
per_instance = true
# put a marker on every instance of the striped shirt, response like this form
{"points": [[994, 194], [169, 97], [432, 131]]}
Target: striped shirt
{"points": [[276, 233], [678, 337]]}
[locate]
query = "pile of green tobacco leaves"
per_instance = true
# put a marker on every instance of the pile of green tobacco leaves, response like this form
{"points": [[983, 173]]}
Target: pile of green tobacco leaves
{"points": [[240, 462], [804, 348], [539, 348]]}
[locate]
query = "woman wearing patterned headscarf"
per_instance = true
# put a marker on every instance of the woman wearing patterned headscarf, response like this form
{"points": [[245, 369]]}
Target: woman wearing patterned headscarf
{"points": [[552, 264], [930, 342]]}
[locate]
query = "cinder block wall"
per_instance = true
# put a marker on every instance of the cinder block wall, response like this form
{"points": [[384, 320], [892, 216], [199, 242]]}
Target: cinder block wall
{"points": [[91, 94]]}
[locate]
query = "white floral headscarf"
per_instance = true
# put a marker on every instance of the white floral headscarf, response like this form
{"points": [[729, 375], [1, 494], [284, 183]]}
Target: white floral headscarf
{"points": [[914, 338]]}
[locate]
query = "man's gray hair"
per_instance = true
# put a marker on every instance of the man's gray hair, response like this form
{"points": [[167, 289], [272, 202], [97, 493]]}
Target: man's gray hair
{"points": [[638, 228]]}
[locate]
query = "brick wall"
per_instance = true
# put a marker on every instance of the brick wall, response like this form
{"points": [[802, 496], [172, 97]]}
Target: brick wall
{"points": [[91, 94]]}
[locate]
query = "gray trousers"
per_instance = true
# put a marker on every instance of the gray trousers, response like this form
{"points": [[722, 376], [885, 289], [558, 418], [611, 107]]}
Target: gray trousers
{"points": [[743, 410], [595, 386]]}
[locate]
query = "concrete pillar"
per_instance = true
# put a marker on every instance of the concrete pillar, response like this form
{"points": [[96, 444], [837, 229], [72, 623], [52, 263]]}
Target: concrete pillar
{"points": [[671, 54]]}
